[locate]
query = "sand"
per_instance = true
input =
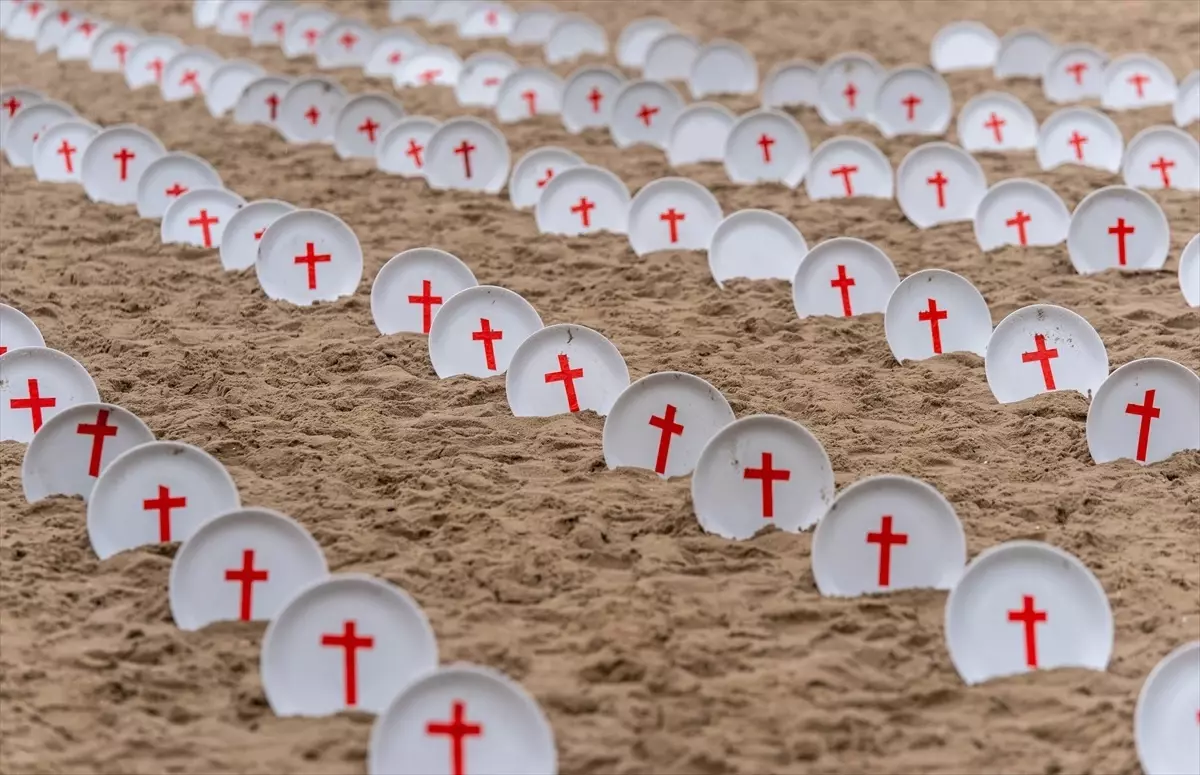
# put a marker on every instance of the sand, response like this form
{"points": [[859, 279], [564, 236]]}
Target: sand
{"points": [[652, 647]]}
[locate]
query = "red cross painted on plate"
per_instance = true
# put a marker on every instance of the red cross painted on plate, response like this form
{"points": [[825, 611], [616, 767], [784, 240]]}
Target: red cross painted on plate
{"points": [[1077, 140], [176, 190], [99, 431], [64, 16], [350, 642], [911, 102], [584, 209], [1042, 355], [994, 123], [313, 114], [348, 40], [846, 170], [246, 576], [66, 150], [368, 127], [486, 335], [272, 101], [1121, 230], [647, 113], [205, 222], [1030, 617], [768, 474], [87, 28], [595, 96], [567, 376], [428, 76], [1139, 81], [851, 93], [156, 65], [669, 428], [244, 19], [34, 402], [491, 81], [191, 78], [1148, 412], [1019, 220], [35, 9], [464, 149], [492, 18], [940, 181], [530, 97], [12, 104], [395, 57], [886, 540], [123, 157], [312, 258], [1077, 69], [311, 36], [843, 284], [673, 218], [279, 28], [933, 316], [1163, 165], [121, 48], [427, 300], [548, 177], [765, 141], [458, 729], [258, 234], [164, 504], [414, 150]]}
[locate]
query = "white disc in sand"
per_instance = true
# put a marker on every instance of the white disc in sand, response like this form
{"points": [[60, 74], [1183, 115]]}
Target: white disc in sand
{"points": [[80, 39], [573, 36], [1024, 54], [636, 38], [533, 26], [431, 66], [487, 20], [932, 312], [662, 423], [271, 21], [843, 277], [761, 471], [391, 50], [205, 12], [534, 171], [236, 17], [227, 82], [304, 31], [157, 492], [1187, 102], [846, 87], [27, 127], [1080, 136], [401, 150], [1026, 605], [169, 177], [467, 154], [1162, 157], [996, 121], [112, 48], [1043, 348], [75, 446], [17, 330], [885, 534], [348, 642], [359, 124], [28, 18], [198, 217], [113, 163], [529, 92], [912, 101], [565, 368], [939, 183], [791, 84], [643, 112], [1137, 81], [477, 331], [964, 46], [243, 565], [843, 167], [345, 43], [1189, 271], [186, 75], [1146, 410], [699, 134], [670, 57], [1075, 73], [723, 67], [52, 29], [1118, 227], [588, 98], [37, 383], [672, 214], [307, 256], [462, 718], [412, 286], [481, 77], [309, 109], [756, 245], [245, 229], [1165, 726], [767, 146], [260, 100], [1020, 212], [583, 200], [12, 101]]}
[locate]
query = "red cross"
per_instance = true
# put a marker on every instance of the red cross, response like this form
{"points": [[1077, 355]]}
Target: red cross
{"points": [[348, 40], [311, 36], [204, 221], [313, 115], [549, 176], [1040, 353], [769, 475], [246, 576], [458, 730], [673, 218], [157, 66], [428, 76], [530, 97], [843, 284], [121, 48], [64, 16], [850, 93], [191, 78], [1148, 412], [491, 81], [594, 97], [414, 150], [486, 335], [66, 150], [1162, 165], [87, 28], [258, 234], [765, 141], [465, 150], [886, 540], [279, 29], [994, 123], [35, 8], [646, 113], [312, 258], [584, 207], [426, 300], [669, 428], [98, 431], [911, 102], [567, 376], [395, 57], [846, 170], [1139, 80], [13, 104], [368, 126], [34, 403], [934, 316], [940, 181], [1077, 140], [176, 190], [1019, 220], [272, 101], [1029, 616], [245, 17], [1076, 70], [350, 642], [123, 157], [1121, 230], [163, 504], [491, 18]]}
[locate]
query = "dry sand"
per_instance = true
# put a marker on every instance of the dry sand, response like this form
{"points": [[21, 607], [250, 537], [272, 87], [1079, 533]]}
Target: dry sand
{"points": [[652, 647]]}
